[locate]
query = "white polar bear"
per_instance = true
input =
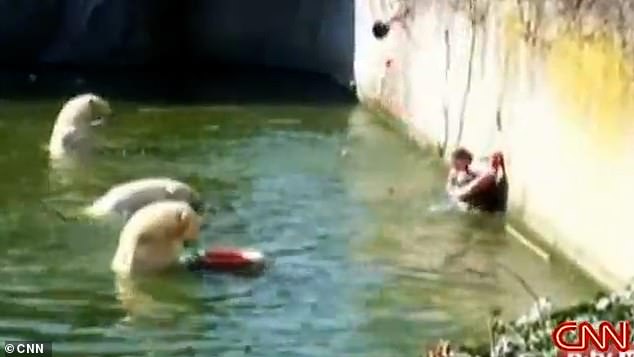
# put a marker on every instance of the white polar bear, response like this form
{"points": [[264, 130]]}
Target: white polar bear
{"points": [[154, 237], [73, 126], [127, 198]]}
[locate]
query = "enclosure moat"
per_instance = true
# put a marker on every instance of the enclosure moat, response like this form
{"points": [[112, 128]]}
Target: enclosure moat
{"points": [[364, 261]]}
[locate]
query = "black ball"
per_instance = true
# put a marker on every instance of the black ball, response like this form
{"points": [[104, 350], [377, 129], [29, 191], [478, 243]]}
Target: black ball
{"points": [[380, 29]]}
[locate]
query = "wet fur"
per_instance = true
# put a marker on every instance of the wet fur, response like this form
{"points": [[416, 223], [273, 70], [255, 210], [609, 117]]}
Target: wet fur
{"points": [[153, 238], [72, 131], [127, 198]]}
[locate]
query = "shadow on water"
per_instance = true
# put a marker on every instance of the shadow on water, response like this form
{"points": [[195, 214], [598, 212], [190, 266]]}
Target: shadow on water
{"points": [[221, 84]]}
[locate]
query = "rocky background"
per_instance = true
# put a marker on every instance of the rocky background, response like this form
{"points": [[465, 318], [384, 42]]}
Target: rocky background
{"points": [[311, 35]]}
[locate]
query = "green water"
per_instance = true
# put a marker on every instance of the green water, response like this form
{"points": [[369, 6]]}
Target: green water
{"points": [[362, 264]]}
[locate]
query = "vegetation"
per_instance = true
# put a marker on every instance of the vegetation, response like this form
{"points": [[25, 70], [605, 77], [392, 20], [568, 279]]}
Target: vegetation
{"points": [[530, 335]]}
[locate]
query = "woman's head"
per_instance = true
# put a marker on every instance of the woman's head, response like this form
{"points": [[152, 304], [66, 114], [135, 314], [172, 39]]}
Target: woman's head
{"points": [[461, 158]]}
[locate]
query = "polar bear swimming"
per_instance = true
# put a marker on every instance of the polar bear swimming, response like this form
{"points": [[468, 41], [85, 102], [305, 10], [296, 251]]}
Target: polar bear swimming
{"points": [[72, 132], [126, 198], [154, 237]]}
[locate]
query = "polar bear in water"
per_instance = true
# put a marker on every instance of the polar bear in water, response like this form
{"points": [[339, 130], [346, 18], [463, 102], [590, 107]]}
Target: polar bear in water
{"points": [[154, 237], [73, 126], [127, 198]]}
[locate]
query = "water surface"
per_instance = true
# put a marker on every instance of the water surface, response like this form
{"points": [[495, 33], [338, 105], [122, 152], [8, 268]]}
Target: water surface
{"points": [[362, 265]]}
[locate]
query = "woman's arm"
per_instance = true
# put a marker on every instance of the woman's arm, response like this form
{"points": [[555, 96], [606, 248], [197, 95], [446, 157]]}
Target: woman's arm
{"points": [[449, 186], [483, 181]]}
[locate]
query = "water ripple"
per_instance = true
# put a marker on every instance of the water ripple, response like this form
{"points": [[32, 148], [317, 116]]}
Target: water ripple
{"points": [[360, 266]]}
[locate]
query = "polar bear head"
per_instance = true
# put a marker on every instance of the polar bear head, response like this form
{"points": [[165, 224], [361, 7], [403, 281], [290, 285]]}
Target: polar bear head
{"points": [[182, 192], [72, 130], [153, 238], [84, 110], [100, 109]]}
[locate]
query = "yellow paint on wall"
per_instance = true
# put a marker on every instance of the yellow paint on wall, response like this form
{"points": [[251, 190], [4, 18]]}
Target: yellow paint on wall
{"points": [[512, 36], [592, 82]]}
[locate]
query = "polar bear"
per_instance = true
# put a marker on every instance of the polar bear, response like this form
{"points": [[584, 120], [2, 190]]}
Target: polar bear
{"points": [[126, 198], [73, 126], [154, 237]]}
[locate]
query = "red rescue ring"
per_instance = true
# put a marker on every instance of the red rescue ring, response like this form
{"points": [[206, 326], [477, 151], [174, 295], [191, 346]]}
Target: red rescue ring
{"points": [[232, 259], [226, 260]]}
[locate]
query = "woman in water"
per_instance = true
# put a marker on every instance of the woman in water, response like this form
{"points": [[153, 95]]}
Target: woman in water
{"points": [[470, 188]]}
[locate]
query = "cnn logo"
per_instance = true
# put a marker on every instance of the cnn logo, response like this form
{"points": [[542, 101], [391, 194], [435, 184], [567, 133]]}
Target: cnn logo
{"points": [[597, 354], [606, 340]]}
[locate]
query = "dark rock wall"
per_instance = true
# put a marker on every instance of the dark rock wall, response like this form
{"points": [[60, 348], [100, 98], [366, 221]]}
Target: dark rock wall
{"points": [[313, 35]]}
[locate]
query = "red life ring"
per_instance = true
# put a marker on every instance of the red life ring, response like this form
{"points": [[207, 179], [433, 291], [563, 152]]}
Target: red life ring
{"points": [[232, 259], [226, 260]]}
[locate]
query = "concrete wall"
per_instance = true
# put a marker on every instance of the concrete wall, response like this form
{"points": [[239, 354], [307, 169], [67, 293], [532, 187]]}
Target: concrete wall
{"points": [[540, 82], [311, 35]]}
